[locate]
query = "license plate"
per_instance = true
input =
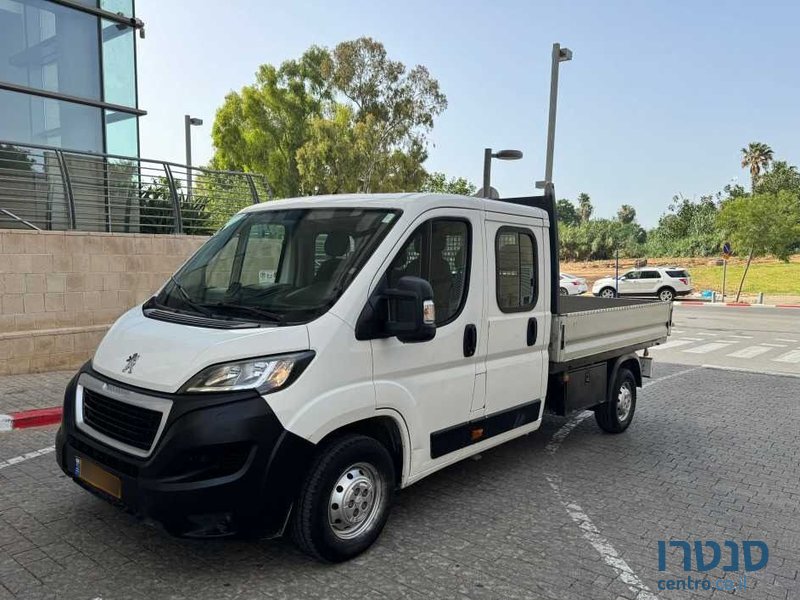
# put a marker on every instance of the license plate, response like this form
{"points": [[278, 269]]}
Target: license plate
{"points": [[97, 477]]}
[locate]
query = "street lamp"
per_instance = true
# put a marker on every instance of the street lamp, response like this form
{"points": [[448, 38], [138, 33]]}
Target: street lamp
{"points": [[559, 55], [488, 155], [188, 121]]}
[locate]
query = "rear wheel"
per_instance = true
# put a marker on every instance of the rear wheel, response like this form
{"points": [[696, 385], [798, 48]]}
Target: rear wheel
{"points": [[345, 500], [616, 414], [608, 292], [563, 291], [666, 294]]}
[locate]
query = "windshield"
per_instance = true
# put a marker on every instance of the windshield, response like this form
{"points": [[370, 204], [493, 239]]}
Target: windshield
{"points": [[281, 266]]}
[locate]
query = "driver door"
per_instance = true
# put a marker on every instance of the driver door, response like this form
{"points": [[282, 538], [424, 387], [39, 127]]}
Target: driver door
{"points": [[433, 383]]}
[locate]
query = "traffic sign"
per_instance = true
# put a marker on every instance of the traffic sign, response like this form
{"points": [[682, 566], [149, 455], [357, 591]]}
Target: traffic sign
{"points": [[726, 250]]}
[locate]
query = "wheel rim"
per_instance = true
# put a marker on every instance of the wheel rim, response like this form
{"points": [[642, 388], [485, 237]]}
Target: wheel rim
{"points": [[607, 293], [563, 292], [624, 402], [355, 500], [666, 295]]}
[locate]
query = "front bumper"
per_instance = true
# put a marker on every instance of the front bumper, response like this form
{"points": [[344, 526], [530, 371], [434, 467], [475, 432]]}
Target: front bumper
{"points": [[223, 464]]}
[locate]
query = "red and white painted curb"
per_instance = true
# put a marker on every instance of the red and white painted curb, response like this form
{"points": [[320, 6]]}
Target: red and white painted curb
{"points": [[30, 418], [733, 304]]}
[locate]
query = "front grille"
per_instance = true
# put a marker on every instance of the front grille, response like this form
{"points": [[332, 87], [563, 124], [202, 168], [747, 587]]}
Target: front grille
{"points": [[132, 425]]}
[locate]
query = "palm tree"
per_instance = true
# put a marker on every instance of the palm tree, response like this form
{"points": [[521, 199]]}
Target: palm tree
{"points": [[585, 207], [756, 157]]}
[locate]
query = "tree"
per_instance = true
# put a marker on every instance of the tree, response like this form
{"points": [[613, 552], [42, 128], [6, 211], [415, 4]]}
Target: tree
{"points": [[585, 208], [762, 224], [438, 183], [342, 120], [261, 128], [398, 106], [780, 176], [567, 213], [756, 157], [687, 229], [626, 214]]}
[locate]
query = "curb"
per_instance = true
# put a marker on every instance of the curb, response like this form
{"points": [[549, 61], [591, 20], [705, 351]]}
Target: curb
{"points": [[733, 304], [31, 418]]}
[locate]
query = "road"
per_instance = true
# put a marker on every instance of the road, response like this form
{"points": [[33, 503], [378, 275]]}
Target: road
{"points": [[759, 339], [565, 513]]}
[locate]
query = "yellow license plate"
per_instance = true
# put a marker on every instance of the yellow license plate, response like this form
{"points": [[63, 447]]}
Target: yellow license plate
{"points": [[98, 477]]}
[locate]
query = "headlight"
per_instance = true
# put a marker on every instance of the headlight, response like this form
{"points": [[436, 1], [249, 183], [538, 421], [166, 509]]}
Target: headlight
{"points": [[266, 374]]}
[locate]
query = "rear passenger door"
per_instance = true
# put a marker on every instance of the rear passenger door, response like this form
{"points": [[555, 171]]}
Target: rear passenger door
{"points": [[649, 281], [517, 353]]}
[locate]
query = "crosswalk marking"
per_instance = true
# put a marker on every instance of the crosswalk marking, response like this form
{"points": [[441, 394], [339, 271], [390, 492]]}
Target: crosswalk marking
{"points": [[785, 340], [789, 357], [774, 345], [750, 352], [672, 344], [705, 348]]}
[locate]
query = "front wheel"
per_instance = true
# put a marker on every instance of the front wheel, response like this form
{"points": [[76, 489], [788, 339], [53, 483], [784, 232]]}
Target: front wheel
{"points": [[563, 291], [608, 292], [615, 415], [345, 499]]}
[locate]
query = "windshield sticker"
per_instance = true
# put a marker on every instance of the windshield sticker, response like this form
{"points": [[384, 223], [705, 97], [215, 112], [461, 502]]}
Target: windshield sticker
{"points": [[266, 276]]}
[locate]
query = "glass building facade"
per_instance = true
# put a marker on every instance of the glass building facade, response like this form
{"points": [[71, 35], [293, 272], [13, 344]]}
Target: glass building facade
{"points": [[68, 75]]}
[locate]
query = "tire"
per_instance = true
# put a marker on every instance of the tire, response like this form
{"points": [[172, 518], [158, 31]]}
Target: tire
{"points": [[328, 521], [608, 292], [666, 294], [563, 291], [615, 415]]}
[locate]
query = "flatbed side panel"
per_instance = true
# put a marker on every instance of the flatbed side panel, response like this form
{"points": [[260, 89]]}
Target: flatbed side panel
{"points": [[581, 334]]}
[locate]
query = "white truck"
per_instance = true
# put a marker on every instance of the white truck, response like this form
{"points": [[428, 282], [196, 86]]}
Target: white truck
{"points": [[317, 354]]}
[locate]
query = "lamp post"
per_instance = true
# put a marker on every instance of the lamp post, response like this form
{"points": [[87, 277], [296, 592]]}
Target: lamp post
{"points": [[488, 155], [559, 55], [188, 121]]}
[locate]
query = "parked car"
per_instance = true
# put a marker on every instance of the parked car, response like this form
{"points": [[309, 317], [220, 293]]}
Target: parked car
{"points": [[572, 286], [666, 283], [316, 354]]}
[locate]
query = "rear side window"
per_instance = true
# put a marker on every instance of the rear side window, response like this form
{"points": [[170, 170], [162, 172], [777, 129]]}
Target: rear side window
{"points": [[650, 275], [677, 274], [516, 277]]}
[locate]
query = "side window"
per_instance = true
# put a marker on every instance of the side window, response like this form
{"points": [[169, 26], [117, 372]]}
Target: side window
{"points": [[438, 251], [632, 275], [651, 275], [516, 277]]}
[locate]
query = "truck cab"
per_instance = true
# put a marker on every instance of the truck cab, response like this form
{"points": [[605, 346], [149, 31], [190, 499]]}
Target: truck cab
{"points": [[317, 354]]}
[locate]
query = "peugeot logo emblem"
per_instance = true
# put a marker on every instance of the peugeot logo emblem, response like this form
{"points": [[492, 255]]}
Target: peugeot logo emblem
{"points": [[130, 362]]}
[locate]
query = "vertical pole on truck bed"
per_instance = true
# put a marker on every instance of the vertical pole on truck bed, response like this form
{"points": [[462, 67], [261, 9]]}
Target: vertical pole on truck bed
{"points": [[559, 55]]}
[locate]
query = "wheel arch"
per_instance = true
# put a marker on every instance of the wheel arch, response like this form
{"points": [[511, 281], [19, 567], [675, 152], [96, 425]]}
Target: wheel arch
{"points": [[629, 361], [389, 429]]}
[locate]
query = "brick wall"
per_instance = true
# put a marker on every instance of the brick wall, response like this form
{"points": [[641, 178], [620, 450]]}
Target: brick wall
{"points": [[61, 290]]}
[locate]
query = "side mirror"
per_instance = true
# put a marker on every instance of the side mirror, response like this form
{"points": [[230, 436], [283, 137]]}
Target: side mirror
{"points": [[405, 311]]}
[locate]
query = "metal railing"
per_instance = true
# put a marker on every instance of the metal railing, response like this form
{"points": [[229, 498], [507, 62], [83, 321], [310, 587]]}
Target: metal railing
{"points": [[43, 187]]}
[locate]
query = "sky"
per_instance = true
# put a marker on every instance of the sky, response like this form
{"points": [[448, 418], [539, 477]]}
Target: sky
{"points": [[657, 101]]}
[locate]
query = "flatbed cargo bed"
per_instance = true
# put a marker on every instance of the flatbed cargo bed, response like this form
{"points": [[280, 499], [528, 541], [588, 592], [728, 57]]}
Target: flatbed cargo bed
{"points": [[588, 328]]}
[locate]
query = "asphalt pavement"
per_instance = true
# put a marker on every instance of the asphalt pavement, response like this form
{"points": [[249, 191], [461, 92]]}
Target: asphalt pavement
{"points": [[765, 340], [565, 513]]}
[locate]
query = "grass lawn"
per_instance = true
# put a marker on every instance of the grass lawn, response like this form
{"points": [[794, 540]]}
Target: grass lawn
{"points": [[770, 278]]}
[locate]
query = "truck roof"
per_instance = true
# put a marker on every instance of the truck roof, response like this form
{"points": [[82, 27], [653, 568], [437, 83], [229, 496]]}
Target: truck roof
{"points": [[413, 202]]}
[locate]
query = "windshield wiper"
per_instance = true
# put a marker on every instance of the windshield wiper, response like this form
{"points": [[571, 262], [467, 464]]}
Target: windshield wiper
{"points": [[253, 310], [188, 299]]}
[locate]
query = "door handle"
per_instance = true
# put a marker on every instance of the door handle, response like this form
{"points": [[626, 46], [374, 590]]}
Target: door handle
{"points": [[470, 339], [533, 330]]}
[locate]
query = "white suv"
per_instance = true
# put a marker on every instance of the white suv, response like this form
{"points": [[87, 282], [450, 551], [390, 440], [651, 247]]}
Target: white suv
{"points": [[664, 282]]}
